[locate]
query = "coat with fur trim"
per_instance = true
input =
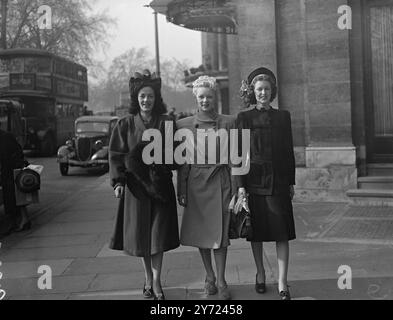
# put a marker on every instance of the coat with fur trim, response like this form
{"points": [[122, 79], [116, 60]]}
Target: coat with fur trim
{"points": [[146, 222]]}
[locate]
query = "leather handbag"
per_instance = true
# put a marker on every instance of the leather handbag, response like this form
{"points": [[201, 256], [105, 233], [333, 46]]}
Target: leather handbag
{"points": [[240, 223]]}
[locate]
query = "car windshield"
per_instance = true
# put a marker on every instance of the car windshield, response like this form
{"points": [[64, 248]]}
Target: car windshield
{"points": [[101, 127]]}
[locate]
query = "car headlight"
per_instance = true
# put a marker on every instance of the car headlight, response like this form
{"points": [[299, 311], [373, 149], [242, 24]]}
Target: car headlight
{"points": [[99, 144]]}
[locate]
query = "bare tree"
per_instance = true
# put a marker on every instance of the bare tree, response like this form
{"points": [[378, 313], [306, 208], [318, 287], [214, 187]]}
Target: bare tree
{"points": [[75, 31], [106, 93], [125, 65]]}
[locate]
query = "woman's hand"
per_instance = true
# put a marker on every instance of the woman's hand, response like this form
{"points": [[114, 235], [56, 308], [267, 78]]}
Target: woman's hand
{"points": [[182, 200], [292, 192], [119, 191]]}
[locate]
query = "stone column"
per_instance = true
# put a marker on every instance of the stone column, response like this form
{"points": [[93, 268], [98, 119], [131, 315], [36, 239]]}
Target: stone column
{"points": [[330, 155], [222, 52], [257, 36], [210, 49]]}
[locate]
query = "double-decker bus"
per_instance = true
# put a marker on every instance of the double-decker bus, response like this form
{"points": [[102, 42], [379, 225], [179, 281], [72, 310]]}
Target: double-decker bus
{"points": [[52, 91]]}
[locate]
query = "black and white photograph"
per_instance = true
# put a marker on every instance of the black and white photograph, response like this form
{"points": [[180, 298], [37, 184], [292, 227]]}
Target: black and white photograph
{"points": [[209, 153]]}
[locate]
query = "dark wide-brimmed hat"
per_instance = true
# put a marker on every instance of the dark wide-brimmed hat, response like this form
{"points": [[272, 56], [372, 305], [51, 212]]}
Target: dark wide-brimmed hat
{"points": [[144, 79], [261, 71]]}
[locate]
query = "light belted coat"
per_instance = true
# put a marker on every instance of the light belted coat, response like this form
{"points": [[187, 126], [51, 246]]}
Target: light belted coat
{"points": [[208, 190]]}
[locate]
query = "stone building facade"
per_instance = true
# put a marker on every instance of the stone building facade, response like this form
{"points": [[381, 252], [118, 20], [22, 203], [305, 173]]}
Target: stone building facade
{"points": [[334, 62]]}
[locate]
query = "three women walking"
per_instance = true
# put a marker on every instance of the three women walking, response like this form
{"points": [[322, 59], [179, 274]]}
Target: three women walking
{"points": [[146, 224]]}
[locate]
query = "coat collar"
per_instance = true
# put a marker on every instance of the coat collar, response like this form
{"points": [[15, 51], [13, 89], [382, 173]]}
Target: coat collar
{"points": [[141, 125], [196, 121]]}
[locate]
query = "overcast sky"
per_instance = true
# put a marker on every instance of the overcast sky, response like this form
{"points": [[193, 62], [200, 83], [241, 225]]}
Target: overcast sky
{"points": [[135, 28]]}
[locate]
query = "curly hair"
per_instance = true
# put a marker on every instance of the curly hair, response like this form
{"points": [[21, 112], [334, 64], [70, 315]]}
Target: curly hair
{"points": [[263, 77], [204, 82], [247, 90], [159, 105], [142, 80]]}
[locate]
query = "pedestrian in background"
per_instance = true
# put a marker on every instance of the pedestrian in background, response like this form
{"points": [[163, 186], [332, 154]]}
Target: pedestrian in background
{"points": [[205, 192], [12, 157], [146, 224], [271, 179]]}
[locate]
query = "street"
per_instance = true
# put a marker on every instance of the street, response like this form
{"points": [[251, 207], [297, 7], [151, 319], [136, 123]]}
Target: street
{"points": [[56, 190]]}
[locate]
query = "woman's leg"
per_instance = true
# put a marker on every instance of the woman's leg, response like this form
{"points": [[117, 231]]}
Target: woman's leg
{"points": [[282, 249], [220, 256], [156, 266], [207, 262], [23, 217], [257, 250], [148, 271]]}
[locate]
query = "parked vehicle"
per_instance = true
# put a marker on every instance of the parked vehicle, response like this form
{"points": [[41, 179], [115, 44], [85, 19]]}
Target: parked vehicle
{"points": [[89, 147]]}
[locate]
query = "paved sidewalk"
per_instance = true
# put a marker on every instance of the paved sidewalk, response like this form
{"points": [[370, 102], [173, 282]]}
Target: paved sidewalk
{"points": [[73, 241]]}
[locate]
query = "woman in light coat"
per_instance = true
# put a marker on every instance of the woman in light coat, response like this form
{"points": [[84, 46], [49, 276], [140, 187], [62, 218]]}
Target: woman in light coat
{"points": [[205, 192]]}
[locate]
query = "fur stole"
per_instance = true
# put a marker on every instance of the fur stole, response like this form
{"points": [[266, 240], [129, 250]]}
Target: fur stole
{"points": [[153, 181]]}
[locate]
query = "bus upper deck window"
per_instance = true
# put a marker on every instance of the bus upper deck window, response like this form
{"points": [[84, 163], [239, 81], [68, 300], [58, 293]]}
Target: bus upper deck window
{"points": [[4, 65], [16, 65], [37, 64]]}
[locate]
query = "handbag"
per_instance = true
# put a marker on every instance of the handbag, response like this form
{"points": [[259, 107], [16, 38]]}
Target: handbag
{"points": [[240, 223]]}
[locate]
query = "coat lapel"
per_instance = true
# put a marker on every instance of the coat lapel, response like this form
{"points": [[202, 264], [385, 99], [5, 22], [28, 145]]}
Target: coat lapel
{"points": [[139, 123]]}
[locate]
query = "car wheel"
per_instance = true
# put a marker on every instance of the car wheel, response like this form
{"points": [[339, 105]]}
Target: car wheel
{"points": [[63, 169]]}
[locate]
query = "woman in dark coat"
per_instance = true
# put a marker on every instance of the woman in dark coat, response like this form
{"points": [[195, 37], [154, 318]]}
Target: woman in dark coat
{"points": [[271, 179], [146, 224], [11, 157]]}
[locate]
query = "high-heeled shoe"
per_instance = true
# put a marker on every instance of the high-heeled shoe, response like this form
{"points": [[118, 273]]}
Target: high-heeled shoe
{"points": [[159, 296], [24, 227], [284, 294], [210, 287], [148, 292], [223, 293], [260, 287]]}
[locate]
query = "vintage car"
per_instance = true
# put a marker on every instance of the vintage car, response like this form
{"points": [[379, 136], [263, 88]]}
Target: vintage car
{"points": [[89, 147]]}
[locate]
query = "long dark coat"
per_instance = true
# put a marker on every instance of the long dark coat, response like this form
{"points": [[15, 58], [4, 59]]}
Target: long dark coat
{"points": [[144, 226], [283, 159], [272, 171], [11, 157]]}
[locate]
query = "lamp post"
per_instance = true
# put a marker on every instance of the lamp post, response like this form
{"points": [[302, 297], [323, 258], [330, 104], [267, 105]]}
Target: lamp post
{"points": [[158, 68]]}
